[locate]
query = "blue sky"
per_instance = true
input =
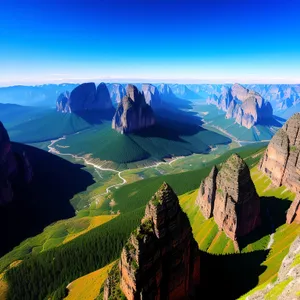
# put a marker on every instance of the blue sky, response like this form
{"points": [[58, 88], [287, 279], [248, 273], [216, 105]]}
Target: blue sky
{"points": [[149, 40]]}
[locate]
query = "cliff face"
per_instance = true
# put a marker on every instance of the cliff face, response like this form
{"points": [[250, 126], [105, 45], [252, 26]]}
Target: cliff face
{"points": [[207, 193], [160, 259], [293, 213], [13, 168], [230, 197], [151, 95], [281, 159], [85, 97], [247, 107], [133, 113], [117, 92]]}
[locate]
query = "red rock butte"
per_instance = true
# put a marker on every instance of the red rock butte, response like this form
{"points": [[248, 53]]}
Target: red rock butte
{"points": [[231, 198], [160, 259]]}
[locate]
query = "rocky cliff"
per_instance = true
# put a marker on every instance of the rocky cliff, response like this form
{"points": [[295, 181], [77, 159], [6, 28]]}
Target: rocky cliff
{"points": [[160, 259], [85, 97], [281, 159], [287, 285], [133, 113], [247, 107], [117, 92], [151, 95], [207, 193], [293, 213], [230, 197], [14, 168]]}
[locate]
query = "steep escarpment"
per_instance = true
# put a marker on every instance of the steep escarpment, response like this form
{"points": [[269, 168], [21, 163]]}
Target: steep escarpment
{"points": [[247, 107], [151, 95], [85, 97], [14, 168], [293, 213], [133, 113], [230, 197], [116, 91], [281, 159], [160, 259]]}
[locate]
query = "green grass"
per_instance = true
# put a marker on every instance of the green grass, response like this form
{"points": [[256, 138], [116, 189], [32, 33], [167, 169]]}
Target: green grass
{"points": [[51, 126], [128, 151], [276, 291]]}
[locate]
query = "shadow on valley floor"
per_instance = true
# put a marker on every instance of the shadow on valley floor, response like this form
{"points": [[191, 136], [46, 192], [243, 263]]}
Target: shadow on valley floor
{"points": [[273, 215], [96, 117], [229, 276], [275, 121], [45, 200]]}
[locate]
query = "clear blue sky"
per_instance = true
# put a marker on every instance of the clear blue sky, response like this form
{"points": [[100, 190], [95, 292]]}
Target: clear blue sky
{"points": [[171, 40]]}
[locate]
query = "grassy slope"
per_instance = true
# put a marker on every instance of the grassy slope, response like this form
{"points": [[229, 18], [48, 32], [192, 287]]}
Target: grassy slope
{"points": [[125, 150], [87, 287], [131, 200], [51, 126], [215, 117]]}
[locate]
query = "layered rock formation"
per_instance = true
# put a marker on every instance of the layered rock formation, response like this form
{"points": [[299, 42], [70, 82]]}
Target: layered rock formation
{"points": [[230, 197], [160, 259], [133, 113], [281, 159], [293, 213], [247, 107], [14, 168], [85, 97], [151, 95], [207, 193]]}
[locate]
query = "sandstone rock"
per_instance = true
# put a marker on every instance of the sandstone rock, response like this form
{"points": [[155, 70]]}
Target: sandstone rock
{"points": [[151, 95], [230, 197], [207, 192], [281, 159], [293, 213], [133, 113], [160, 259]]}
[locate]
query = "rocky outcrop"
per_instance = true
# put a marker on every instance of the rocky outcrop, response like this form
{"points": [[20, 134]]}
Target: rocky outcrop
{"points": [[160, 259], [133, 113], [281, 159], [15, 169], [85, 97], [151, 95], [286, 287], [230, 197], [62, 102], [117, 92], [247, 107], [293, 213], [207, 193]]}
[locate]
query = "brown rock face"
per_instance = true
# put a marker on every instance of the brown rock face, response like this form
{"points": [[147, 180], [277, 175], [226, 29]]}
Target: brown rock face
{"points": [[293, 213], [207, 193], [281, 159], [133, 113], [160, 259], [230, 197]]}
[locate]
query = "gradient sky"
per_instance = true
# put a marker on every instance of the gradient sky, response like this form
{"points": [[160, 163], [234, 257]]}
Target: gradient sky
{"points": [[149, 40]]}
